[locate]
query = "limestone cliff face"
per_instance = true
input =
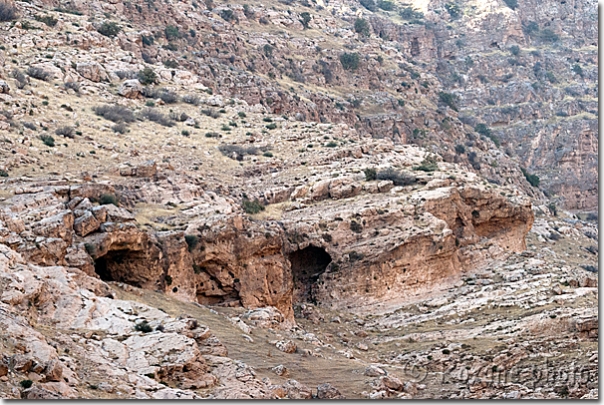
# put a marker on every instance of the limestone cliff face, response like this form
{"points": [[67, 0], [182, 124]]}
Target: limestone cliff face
{"points": [[343, 241]]}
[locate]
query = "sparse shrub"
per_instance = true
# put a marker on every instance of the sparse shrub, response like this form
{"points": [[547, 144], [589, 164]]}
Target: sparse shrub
{"points": [[148, 40], [578, 70], [331, 144], [460, 149], [120, 128], [252, 207], [107, 199], [241, 114], [530, 28], [552, 209], [213, 135], [350, 61], [191, 99], [21, 79], [47, 19], [368, 4], [397, 178], [185, 132], [267, 154], [109, 29], [3, 173], [147, 76], [149, 103], [75, 86], [48, 140], [26, 384], [409, 13], [429, 164], [385, 5], [248, 12], [271, 126], [30, 125], [548, 35], [211, 113], [90, 248], [180, 117], [8, 12], [228, 15], [513, 4], [171, 32], [115, 113], [237, 152], [143, 326], [192, 241], [171, 46], [515, 50], [305, 19], [355, 226], [448, 99], [153, 115], [38, 73], [170, 64], [454, 10], [533, 179], [66, 131], [361, 27], [370, 174]]}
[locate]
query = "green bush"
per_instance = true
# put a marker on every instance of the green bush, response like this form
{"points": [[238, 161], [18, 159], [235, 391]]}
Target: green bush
{"points": [[271, 126], [170, 64], [47, 19], [513, 4], [533, 179], [143, 326], [370, 174], [267, 154], [171, 32], [106, 199], [109, 29], [409, 13], [48, 140], [460, 149], [429, 164], [147, 76], [548, 35], [305, 19], [331, 144], [228, 15], [3, 173], [252, 207], [361, 27], [350, 61], [449, 99], [26, 384], [368, 4], [454, 10], [385, 5], [192, 241], [530, 27], [578, 70], [515, 50], [397, 178]]}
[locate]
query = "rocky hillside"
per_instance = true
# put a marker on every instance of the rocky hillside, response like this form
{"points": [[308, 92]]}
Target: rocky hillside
{"points": [[207, 200]]}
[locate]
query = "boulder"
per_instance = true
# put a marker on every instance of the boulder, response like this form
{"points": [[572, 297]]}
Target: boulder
{"points": [[131, 89], [92, 71], [86, 224]]}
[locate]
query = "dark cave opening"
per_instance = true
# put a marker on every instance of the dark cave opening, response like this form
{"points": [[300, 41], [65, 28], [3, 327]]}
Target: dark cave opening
{"points": [[307, 266], [118, 265]]}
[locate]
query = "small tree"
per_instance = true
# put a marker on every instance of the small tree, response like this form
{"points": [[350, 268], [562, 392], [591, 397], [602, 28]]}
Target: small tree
{"points": [[305, 19], [448, 99], [109, 29], [147, 76], [350, 61], [361, 27]]}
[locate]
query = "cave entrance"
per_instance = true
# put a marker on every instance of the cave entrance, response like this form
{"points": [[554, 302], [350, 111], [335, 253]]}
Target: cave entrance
{"points": [[307, 265], [118, 265]]}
